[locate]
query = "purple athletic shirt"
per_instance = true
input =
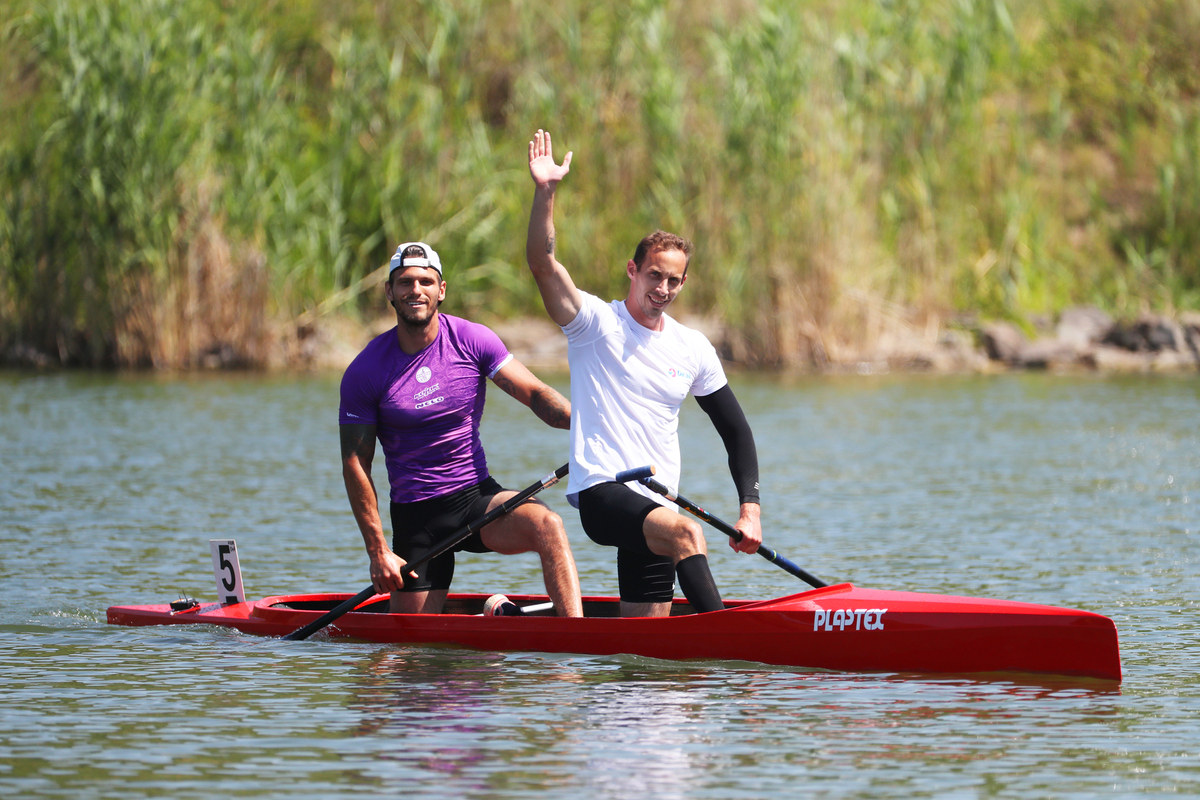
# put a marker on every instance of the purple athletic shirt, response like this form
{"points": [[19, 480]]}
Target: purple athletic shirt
{"points": [[426, 408]]}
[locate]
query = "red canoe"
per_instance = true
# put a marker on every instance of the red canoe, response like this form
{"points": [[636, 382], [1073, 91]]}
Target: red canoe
{"points": [[840, 627]]}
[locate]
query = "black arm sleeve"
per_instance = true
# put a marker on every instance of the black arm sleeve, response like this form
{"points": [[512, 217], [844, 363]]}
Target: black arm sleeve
{"points": [[727, 417]]}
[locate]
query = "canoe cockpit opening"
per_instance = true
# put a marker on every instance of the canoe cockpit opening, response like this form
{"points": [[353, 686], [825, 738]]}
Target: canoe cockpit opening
{"points": [[472, 605]]}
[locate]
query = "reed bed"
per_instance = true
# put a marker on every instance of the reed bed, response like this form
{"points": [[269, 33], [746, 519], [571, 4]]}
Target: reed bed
{"points": [[182, 181]]}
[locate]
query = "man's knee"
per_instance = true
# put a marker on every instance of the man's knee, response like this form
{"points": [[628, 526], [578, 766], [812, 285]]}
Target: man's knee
{"points": [[693, 532], [547, 527], [672, 534], [534, 527]]}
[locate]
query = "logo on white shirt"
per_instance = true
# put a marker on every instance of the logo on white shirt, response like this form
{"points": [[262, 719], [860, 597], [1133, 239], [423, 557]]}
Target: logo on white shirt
{"points": [[424, 374], [680, 373]]}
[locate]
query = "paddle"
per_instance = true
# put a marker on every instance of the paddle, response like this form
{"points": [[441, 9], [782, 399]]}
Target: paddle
{"points": [[643, 474], [459, 536]]}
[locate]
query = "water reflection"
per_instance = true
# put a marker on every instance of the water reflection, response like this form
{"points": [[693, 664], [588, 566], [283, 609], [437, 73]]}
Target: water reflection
{"points": [[460, 713], [641, 737], [1069, 492], [634, 727]]}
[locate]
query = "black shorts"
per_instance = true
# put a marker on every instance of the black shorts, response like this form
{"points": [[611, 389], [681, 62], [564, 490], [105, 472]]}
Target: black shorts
{"points": [[422, 526], [613, 515]]}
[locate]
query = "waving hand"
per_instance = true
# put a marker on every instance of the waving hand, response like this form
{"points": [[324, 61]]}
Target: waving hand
{"points": [[541, 161], [559, 294]]}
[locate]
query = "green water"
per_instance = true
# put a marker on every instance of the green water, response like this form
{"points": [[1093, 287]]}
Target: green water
{"points": [[1073, 491]]}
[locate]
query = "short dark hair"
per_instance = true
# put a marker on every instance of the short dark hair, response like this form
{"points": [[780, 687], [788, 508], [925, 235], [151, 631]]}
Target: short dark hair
{"points": [[661, 240]]}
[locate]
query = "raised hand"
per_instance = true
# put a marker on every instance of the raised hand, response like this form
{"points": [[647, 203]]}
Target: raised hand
{"points": [[542, 168]]}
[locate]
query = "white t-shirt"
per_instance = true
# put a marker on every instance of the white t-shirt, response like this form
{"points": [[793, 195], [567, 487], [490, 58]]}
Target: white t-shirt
{"points": [[627, 385]]}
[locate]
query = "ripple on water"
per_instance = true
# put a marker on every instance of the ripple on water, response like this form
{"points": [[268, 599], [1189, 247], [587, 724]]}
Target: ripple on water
{"points": [[1038, 488]]}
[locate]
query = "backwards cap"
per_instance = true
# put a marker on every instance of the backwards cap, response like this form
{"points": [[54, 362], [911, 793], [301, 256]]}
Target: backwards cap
{"points": [[428, 257]]}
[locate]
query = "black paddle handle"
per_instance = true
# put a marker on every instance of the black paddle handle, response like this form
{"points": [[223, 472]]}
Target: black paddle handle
{"points": [[463, 533], [643, 474], [329, 616]]}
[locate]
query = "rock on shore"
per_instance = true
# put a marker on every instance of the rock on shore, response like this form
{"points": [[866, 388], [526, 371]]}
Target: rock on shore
{"points": [[1082, 338], [1088, 338]]}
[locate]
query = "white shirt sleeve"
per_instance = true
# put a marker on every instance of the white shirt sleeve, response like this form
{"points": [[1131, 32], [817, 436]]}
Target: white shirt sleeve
{"points": [[710, 375]]}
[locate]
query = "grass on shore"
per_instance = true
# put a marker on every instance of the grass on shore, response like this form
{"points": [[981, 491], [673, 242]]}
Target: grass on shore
{"points": [[177, 178]]}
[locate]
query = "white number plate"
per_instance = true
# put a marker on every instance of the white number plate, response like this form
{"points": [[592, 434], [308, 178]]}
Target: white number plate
{"points": [[227, 571]]}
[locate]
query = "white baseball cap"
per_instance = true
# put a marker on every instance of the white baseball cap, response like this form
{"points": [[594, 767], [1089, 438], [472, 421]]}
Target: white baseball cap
{"points": [[428, 258]]}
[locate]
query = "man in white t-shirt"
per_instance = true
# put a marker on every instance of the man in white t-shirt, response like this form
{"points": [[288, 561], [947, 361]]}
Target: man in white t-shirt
{"points": [[632, 366]]}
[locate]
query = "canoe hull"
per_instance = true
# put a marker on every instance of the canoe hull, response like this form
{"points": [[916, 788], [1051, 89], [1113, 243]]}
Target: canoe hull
{"points": [[842, 627]]}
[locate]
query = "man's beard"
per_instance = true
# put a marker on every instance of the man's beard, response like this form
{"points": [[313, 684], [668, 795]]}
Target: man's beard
{"points": [[413, 324]]}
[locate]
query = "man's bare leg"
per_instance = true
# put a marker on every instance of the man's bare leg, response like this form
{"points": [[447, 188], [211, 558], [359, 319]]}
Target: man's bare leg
{"points": [[677, 537], [428, 602], [645, 609], [533, 527]]}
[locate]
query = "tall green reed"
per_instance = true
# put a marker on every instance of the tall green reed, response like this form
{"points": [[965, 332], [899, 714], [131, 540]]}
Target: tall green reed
{"points": [[851, 172]]}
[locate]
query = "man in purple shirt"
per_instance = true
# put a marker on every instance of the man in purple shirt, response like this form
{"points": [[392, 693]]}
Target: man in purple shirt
{"points": [[419, 389]]}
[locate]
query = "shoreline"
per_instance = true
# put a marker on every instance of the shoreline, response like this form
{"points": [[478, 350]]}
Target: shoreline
{"points": [[1082, 340]]}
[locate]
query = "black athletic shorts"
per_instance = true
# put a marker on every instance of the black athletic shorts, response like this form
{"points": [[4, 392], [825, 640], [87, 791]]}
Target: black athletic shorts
{"points": [[613, 514], [422, 526]]}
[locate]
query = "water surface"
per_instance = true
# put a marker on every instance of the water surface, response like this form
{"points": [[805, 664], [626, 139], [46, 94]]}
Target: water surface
{"points": [[1074, 491]]}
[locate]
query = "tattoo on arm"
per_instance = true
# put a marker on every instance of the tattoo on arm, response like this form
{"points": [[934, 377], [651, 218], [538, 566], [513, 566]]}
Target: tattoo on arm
{"points": [[358, 440], [505, 384], [551, 408], [550, 244]]}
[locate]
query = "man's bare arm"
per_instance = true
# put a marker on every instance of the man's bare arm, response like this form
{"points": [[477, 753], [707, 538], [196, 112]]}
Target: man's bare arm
{"points": [[358, 452], [549, 406], [559, 293]]}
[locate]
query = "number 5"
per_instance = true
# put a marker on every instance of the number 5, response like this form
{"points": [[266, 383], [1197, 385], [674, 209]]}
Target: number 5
{"points": [[227, 571]]}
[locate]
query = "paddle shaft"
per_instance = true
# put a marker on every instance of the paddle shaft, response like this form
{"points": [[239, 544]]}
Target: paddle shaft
{"points": [[466, 531], [766, 552]]}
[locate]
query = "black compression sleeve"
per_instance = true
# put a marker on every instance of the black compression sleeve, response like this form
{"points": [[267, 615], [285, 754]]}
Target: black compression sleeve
{"points": [[729, 420]]}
